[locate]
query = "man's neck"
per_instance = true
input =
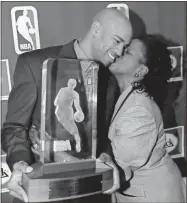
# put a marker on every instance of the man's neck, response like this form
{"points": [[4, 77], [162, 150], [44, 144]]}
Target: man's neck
{"points": [[85, 46]]}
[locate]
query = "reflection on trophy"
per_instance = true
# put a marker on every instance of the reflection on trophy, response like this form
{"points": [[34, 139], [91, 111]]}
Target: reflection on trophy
{"points": [[64, 100]]}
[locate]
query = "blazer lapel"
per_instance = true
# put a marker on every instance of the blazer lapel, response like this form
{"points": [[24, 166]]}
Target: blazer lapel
{"points": [[112, 97], [120, 100]]}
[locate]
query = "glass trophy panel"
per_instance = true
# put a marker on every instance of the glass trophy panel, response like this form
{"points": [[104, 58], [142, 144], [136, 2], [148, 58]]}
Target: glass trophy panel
{"points": [[68, 110]]}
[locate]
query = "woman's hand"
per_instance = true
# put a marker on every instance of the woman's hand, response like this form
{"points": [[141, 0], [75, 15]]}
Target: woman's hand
{"points": [[106, 158], [15, 183]]}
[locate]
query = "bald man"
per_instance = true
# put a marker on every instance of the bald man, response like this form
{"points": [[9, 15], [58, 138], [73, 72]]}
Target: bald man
{"points": [[105, 40]]}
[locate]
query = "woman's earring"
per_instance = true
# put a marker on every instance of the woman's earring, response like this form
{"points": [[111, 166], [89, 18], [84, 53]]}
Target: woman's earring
{"points": [[136, 75]]}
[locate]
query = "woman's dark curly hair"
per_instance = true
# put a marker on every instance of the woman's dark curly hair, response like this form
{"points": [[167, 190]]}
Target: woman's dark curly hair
{"points": [[158, 61]]}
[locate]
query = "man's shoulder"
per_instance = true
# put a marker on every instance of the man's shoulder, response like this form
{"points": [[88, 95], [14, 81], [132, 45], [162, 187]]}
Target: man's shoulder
{"points": [[35, 59], [51, 52], [44, 52]]}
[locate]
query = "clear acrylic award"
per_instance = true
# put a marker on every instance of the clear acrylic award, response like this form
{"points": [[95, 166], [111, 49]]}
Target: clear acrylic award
{"points": [[68, 134]]}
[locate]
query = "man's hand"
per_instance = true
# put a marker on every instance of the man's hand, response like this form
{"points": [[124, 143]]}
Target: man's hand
{"points": [[106, 158], [15, 183]]}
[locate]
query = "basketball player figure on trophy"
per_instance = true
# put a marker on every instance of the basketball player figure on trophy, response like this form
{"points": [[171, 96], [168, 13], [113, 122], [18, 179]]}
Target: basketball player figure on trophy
{"points": [[23, 29], [64, 100]]}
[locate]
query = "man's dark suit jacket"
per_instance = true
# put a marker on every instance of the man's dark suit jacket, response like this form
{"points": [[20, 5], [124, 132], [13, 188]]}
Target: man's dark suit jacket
{"points": [[24, 103]]}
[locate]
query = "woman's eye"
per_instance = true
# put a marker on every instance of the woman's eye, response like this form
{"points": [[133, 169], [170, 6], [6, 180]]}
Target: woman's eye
{"points": [[116, 40]]}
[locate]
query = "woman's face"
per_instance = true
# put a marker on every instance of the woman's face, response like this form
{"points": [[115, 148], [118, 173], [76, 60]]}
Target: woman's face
{"points": [[130, 61]]}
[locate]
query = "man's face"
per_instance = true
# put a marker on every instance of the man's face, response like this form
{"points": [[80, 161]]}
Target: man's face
{"points": [[110, 42]]}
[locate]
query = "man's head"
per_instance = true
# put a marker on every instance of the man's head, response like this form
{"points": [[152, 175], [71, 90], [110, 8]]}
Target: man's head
{"points": [[109, 33]]}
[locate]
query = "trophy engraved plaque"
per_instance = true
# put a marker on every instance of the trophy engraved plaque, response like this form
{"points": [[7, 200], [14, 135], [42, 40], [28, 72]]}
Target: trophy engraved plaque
{"points": [[75, 187], [67, 166]]}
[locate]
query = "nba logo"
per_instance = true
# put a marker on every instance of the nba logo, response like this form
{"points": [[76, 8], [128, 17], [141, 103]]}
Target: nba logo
{"points": [[25, 29]]}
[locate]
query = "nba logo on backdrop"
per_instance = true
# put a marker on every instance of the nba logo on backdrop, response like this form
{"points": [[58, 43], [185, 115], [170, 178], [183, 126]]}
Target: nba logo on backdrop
{"points": [[25, 29]]}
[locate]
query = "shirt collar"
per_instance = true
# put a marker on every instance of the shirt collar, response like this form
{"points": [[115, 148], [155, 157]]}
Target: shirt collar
{"points": [[79, 52]]}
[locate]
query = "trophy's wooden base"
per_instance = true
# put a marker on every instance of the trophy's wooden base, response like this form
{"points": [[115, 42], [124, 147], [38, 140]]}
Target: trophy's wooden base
{"points": [[55, 182]]}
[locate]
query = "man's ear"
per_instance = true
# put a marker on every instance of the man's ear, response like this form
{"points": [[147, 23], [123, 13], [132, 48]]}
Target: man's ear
{"points": [[96, 28]]}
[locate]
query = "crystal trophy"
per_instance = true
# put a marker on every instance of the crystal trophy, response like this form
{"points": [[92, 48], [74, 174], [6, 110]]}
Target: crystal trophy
{"points": [[67, 166]]}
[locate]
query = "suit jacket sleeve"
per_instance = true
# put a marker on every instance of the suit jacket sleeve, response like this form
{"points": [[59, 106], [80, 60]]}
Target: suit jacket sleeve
{"points": [[22, 99], [135, 138]]}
